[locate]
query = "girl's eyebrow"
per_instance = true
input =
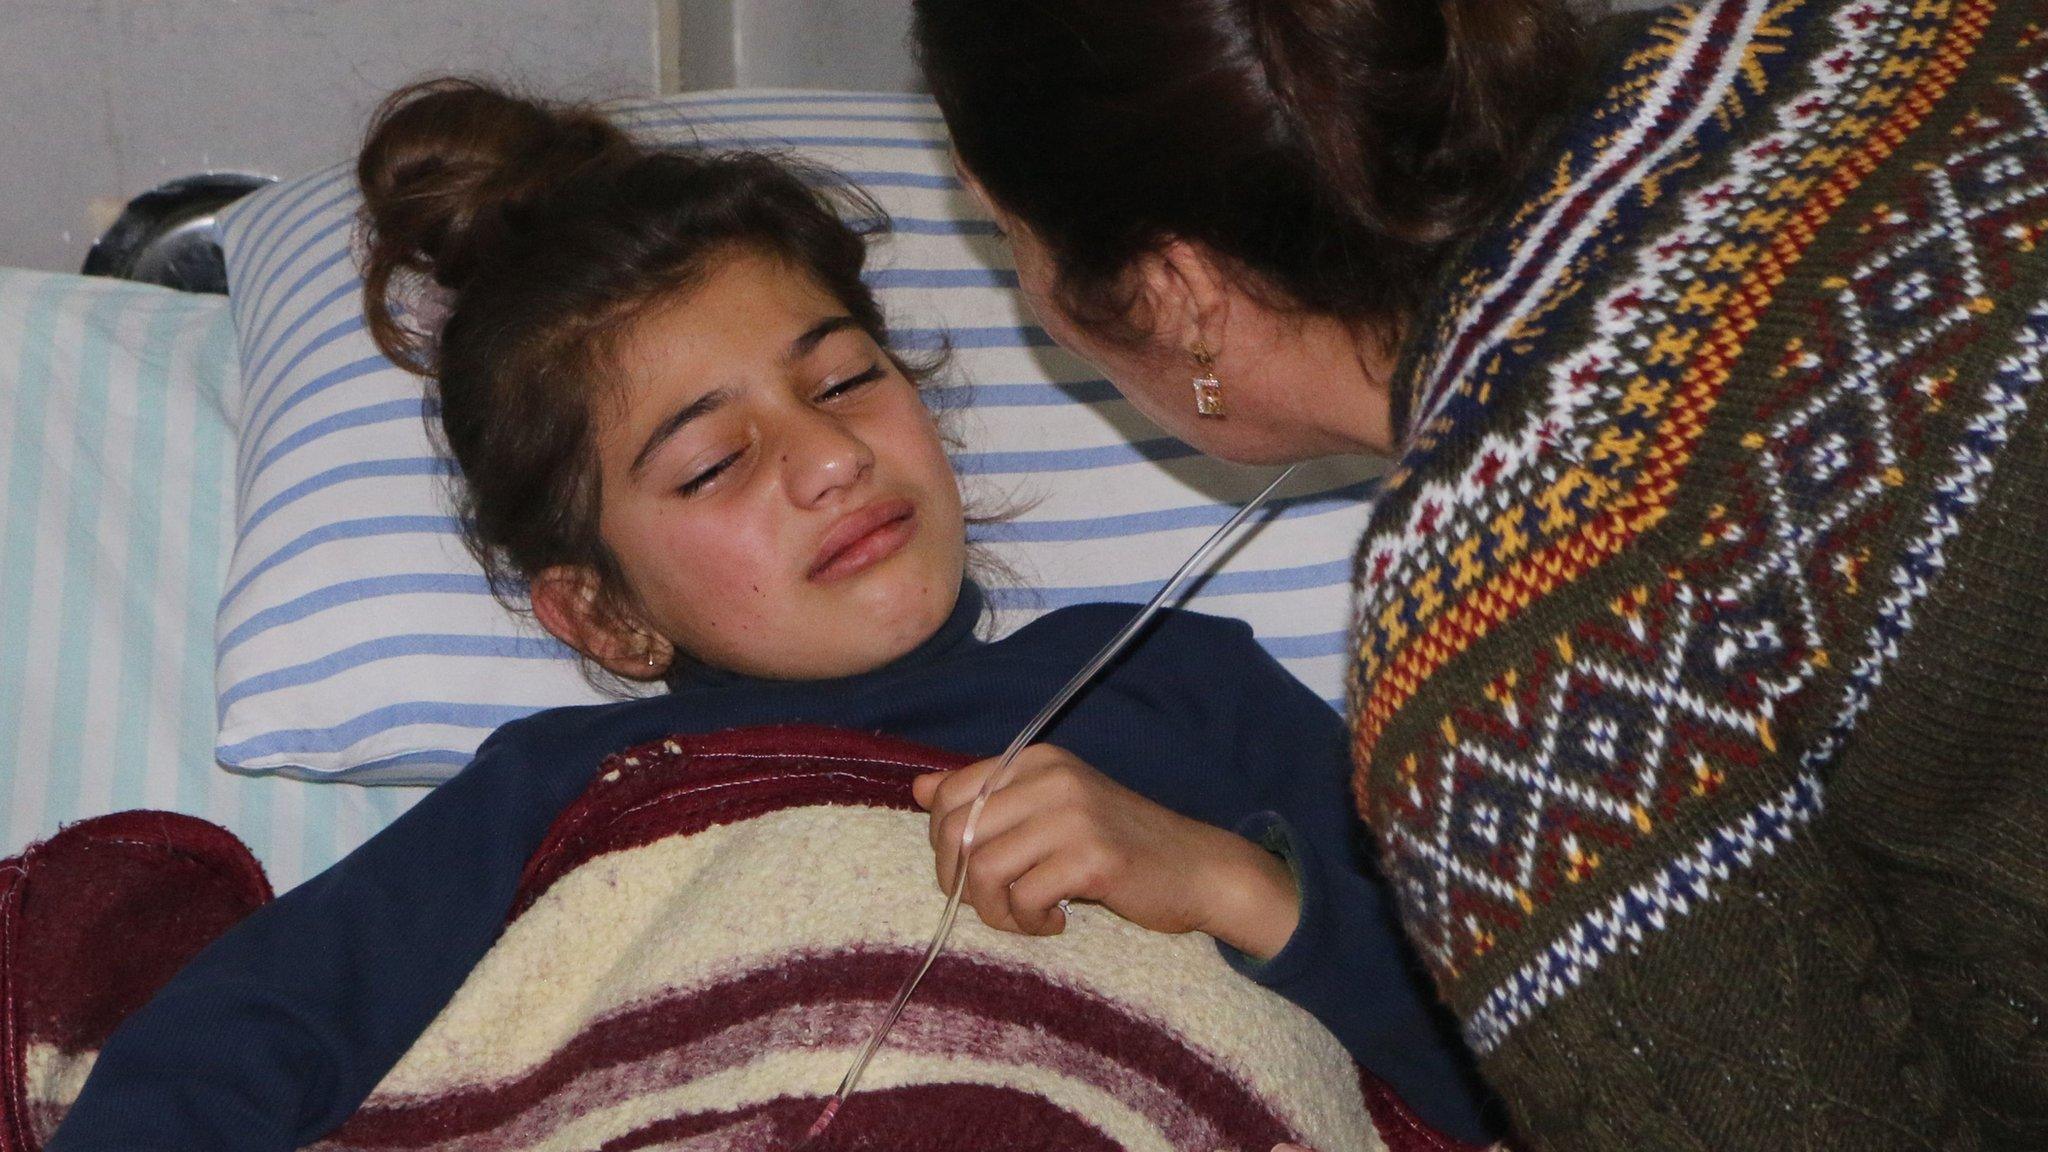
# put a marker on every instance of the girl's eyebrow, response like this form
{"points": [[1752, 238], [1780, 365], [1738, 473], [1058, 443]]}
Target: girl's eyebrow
{"points": [[702, 406], [808, 343]]}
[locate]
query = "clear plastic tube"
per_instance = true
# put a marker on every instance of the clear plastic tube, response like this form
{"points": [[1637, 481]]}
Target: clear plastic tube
{"points": [[1001, 776]]}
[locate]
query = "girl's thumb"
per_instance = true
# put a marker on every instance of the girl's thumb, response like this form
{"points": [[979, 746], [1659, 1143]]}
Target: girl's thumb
{"points": [[925, 788]]}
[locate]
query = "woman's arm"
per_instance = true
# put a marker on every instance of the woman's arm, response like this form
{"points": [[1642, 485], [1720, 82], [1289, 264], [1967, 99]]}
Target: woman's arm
{"points": [[275, 1033]]}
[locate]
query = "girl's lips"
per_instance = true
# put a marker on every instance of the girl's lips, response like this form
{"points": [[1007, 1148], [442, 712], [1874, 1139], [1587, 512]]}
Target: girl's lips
{"points": [[864, 539]]}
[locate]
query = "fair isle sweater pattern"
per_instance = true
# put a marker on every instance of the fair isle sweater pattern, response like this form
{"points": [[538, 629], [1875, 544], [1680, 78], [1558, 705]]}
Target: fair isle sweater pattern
{"points": [[1690, 437]]}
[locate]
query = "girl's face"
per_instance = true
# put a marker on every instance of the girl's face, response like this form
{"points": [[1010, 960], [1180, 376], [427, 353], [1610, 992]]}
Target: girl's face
{"points": [[774, 487]]}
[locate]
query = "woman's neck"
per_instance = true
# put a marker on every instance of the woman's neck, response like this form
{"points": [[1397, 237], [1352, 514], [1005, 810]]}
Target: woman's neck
{"points": [[1330, 386], [1376, 350]]}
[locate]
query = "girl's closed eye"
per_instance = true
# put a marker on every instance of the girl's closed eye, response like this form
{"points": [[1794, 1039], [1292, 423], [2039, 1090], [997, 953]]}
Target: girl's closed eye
{"points": [[853, 383], [708, 475], [718, 468]]}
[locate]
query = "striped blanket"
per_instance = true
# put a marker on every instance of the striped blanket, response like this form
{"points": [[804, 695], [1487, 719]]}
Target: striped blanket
{"points": [[699, 947]]}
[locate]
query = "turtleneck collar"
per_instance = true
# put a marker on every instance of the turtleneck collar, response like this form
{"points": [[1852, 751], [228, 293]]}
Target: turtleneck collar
{"points": [[956, 634]]}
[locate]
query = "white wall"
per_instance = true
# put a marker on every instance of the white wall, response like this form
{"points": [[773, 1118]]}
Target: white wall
{"points": [[859, 44], [101, 100]]}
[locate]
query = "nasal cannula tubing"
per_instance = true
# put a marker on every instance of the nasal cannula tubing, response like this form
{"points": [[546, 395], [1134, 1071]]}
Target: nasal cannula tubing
{"points": [[1001, 776]]}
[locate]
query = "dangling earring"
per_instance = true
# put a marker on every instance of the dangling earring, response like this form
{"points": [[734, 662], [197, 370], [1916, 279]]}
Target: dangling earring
{"points": [[1208, 389]]}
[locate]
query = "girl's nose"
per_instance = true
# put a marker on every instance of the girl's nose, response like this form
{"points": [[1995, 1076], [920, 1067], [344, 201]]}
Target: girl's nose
{"points": [[821, 459]]}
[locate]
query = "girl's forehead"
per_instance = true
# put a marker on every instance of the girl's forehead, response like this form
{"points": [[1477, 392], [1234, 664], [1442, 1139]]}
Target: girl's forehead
{"points": [[749, 305], [751, 322]]}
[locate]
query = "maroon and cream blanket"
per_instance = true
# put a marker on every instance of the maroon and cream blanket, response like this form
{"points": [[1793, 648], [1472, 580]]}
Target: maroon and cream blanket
{"points": [[697, 950]]}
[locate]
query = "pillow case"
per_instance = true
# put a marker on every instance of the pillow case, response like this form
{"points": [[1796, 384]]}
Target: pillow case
{"points": [[357, 639], [117, 410]]}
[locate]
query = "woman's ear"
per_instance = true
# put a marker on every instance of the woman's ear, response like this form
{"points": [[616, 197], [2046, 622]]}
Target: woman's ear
{"points": [[1184, 297], [568, 603]]}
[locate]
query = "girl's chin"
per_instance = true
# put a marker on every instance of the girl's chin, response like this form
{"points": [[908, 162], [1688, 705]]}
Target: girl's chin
{"points": [[847, 628], [871, 628], [911, 612]]}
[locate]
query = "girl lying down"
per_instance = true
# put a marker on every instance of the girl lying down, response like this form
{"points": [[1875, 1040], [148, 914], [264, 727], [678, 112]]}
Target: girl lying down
{"points": [[681, 433]]}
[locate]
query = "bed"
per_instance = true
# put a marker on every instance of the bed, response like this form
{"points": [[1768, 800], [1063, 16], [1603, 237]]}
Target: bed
{"points": [[231, 587], [147, 666]]}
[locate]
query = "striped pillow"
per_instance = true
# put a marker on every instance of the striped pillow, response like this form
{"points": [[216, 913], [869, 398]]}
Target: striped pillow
{"points": [[358, 640]]}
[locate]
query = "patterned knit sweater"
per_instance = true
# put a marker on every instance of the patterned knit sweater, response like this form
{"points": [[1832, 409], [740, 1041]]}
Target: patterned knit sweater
{"points": [[1703, 652]]}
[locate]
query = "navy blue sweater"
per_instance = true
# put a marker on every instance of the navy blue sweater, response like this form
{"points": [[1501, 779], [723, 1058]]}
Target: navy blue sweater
{"points": [[272, 1036]]}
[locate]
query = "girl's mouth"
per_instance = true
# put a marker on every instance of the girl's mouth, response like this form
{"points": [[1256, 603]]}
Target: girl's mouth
{"points": [[862, 539]]}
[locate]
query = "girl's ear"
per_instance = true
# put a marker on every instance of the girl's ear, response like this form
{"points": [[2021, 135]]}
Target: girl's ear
{"points": [[567, 603]]}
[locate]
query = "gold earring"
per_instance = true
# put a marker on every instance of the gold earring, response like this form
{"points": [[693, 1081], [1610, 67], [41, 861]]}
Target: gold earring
{"points": [[1208, 389]]}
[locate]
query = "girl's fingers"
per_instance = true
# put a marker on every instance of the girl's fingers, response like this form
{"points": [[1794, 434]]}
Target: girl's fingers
{"points": [[945, 834], [957, 791], [925, 789], [1031, 792], [1002, 813], [963, 785], [1022, 883], [997, 865], [1038, 899], [1007, 807]]}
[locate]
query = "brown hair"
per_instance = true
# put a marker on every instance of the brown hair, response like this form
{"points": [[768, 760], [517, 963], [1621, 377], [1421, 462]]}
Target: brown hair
{"points": [[541, 232], [1335, 150]]}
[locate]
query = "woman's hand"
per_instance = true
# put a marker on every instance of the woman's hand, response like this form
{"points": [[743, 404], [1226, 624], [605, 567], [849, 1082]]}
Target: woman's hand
{"points": [[1060, 830]]}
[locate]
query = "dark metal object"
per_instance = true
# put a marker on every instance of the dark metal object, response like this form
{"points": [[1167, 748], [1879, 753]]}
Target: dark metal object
{"points": [[165, 236]]}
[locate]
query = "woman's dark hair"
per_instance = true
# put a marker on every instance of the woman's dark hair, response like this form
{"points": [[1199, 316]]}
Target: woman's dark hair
{"points": [[536, 234], [1336, 150]]}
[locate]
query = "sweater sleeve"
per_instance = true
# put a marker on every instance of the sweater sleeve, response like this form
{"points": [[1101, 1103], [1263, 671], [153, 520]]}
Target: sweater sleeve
{"points": [[1347, 963], [274, 1034]]}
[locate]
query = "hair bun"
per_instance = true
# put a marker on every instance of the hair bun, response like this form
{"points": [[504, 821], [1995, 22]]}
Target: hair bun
{"points": [[445, 164]]}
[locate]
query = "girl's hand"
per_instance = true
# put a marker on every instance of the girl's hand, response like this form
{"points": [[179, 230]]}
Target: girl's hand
{"points": [[1060, 830]]}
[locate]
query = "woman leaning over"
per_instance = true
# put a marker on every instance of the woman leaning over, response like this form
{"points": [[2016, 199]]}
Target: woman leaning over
{"points": [[1702, 641]]}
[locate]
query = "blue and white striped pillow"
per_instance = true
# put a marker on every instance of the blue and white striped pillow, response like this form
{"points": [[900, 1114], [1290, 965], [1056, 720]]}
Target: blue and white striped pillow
{"points": [[356, 637]]}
